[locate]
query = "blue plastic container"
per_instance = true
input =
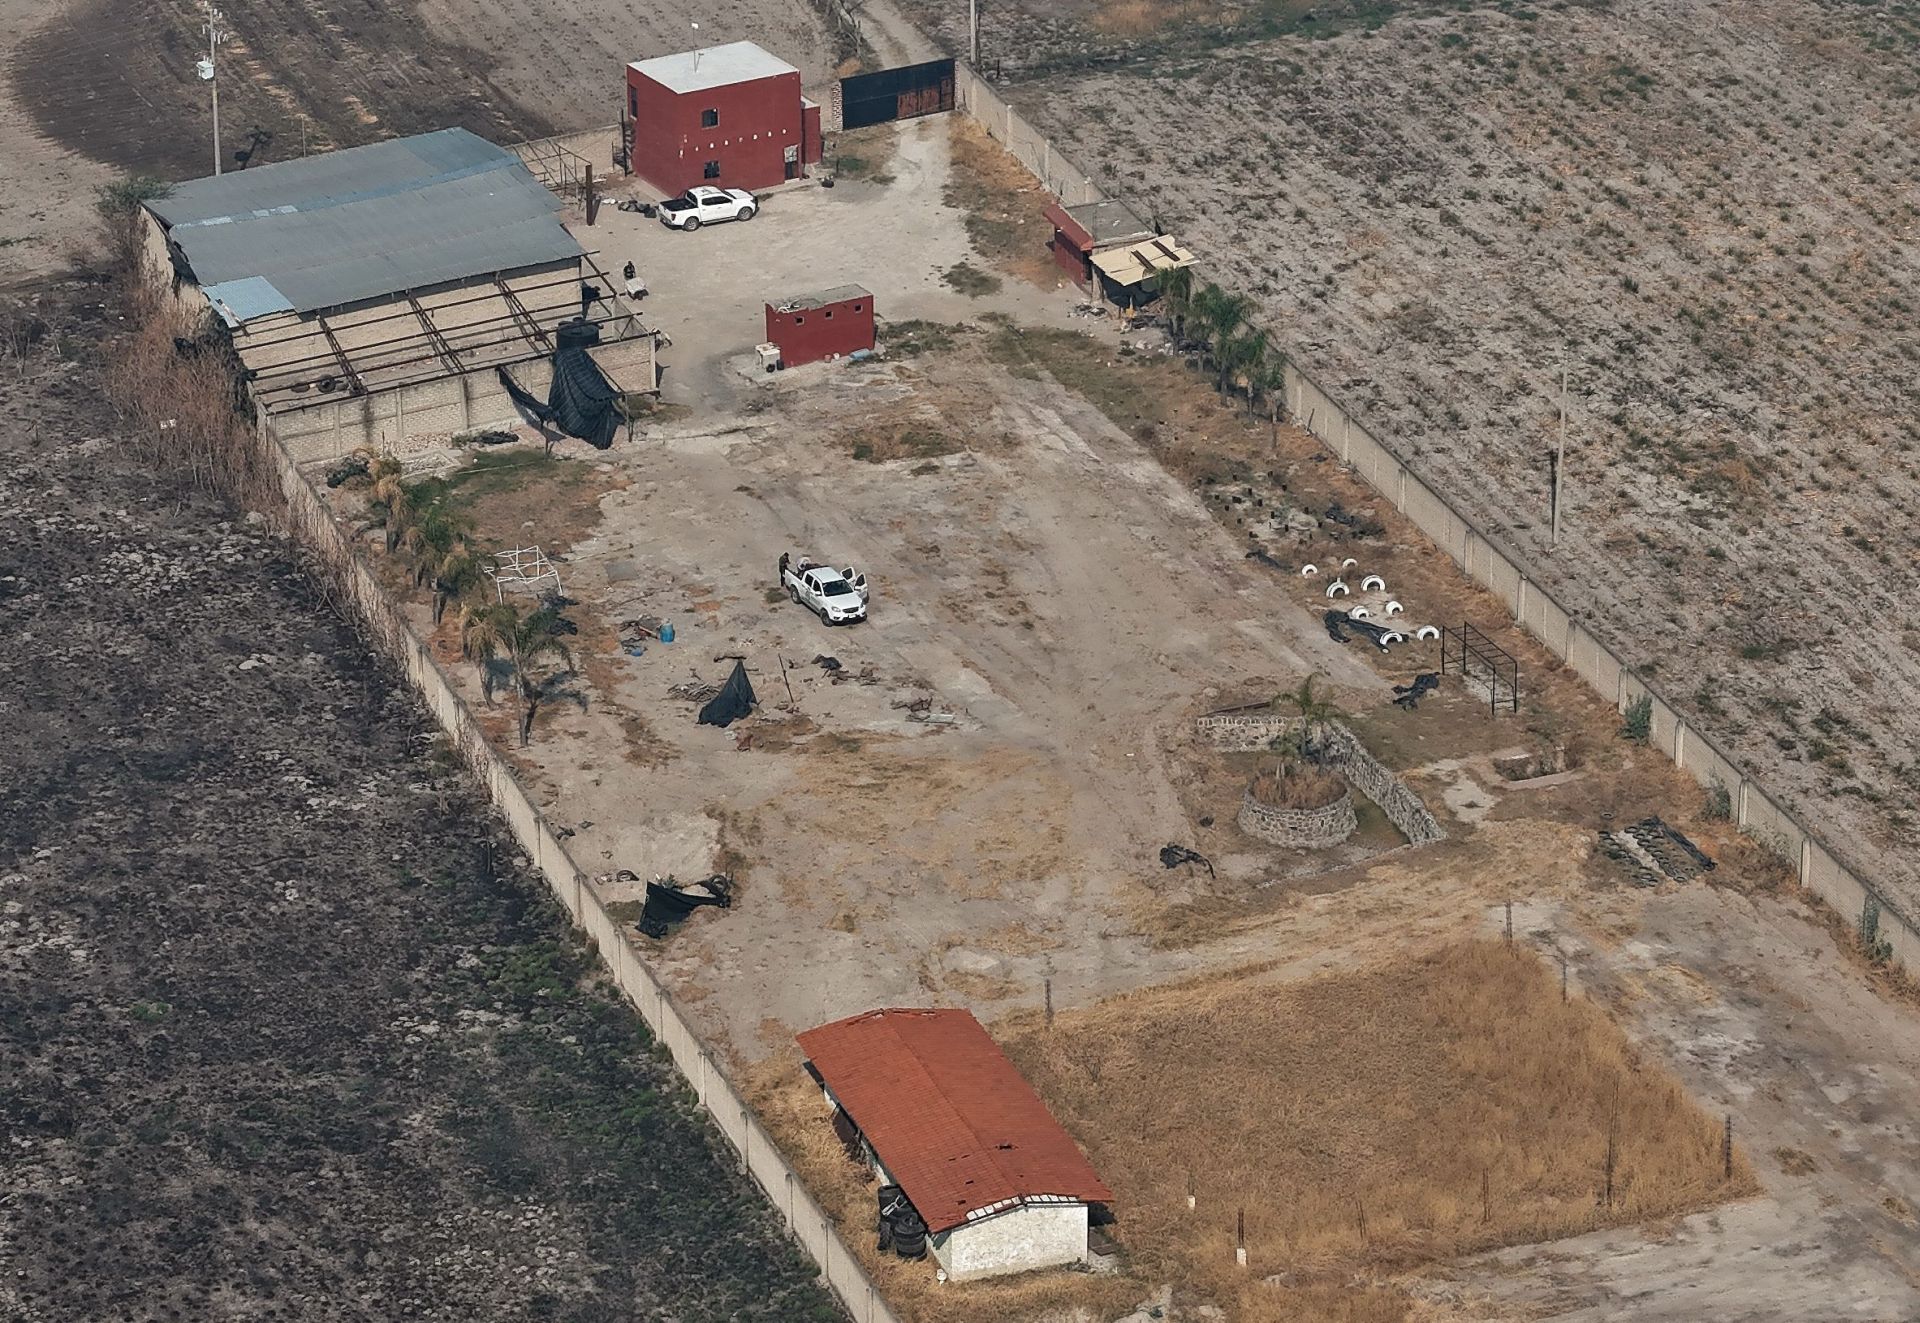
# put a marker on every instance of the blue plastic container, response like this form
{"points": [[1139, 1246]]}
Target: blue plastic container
{"points": [[666, 631]]}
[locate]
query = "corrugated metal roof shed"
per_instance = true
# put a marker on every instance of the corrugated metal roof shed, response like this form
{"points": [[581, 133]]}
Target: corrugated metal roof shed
{"points": [[715, 66], [948, 1114], [367, 222], [1130, 266]]}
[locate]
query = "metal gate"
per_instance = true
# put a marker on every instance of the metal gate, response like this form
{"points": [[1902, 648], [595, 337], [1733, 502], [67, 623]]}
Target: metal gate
{"points": [[875, 98]]}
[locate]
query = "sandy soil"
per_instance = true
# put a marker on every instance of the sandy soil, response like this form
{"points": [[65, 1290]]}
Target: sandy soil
{"points": [[47, 205], [1708, 208]]}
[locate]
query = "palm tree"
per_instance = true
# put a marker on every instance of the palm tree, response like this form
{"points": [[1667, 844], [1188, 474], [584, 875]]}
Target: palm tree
{"points": [[1220, 315], [1314, 713], [395, 501], [1176, 288], [1239, 359], [442, 555], [500, 632], [457, 571], [1270, 379]]}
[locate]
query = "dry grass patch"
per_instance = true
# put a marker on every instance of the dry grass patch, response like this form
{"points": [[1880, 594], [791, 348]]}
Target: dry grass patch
{"points": [[1296, 786], [1367, 1122], [1004, 206]]}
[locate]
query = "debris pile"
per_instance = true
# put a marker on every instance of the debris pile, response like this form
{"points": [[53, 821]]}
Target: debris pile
{"points": [[1653, 852]]}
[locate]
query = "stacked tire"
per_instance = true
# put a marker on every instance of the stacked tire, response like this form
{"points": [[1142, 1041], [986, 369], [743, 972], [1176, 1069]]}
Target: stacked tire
{"points": [[901, 1228]]}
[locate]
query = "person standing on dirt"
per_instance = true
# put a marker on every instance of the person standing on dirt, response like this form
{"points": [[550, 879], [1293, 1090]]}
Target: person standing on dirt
{"points": [[781, 580]]}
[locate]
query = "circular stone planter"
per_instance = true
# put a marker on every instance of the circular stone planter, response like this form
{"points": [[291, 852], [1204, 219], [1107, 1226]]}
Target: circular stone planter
{"points": [[1299, 829]]}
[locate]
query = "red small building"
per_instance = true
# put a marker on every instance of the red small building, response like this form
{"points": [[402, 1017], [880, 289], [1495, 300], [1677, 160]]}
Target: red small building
{"points": [[731, 116], [817, 326], [1080, 232]]}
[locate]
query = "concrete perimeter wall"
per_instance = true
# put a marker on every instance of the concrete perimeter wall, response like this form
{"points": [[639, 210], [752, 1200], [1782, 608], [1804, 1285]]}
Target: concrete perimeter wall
{"points": [[805, 1219], [1500, 570], [974, 97]]}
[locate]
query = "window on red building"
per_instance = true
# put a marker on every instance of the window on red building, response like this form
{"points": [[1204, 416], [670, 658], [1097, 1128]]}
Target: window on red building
{"points": [[713, 170], [709, 119]]}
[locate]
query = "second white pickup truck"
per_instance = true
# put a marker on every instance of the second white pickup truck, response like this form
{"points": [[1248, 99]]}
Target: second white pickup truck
{"points": [[704, 205], [837, 598]]}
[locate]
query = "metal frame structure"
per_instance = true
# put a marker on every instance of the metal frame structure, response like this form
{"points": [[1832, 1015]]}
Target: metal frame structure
{"points": [[1478, 657], [523, 569], [421, 348], [564, 171]]}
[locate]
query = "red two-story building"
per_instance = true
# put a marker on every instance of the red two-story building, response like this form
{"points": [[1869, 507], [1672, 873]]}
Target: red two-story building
{"points": [[731, 116]]}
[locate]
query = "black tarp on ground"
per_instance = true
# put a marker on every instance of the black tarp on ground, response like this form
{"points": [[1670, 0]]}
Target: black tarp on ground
{"points": [[581, 401], [735, 699]]}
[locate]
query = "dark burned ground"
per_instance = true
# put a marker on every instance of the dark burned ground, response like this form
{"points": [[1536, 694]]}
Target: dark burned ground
{"points": [[277, 1042], [114, 79]]}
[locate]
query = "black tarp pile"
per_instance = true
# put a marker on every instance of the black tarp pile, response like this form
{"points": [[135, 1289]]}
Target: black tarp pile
{"points": [[581, 401], [669, 901], [1408, 696], [735, 699], [1172, 856]]}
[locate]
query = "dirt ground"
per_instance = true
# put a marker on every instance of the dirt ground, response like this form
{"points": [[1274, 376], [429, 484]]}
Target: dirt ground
{"points": [[1005, 852], [1062, 581], [709, 290], [291, 1030], [1704, 209]]}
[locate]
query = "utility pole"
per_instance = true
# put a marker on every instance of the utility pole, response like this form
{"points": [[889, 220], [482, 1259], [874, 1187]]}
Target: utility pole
{"points": [[1560, 454], [215, 35], [973, 34]]}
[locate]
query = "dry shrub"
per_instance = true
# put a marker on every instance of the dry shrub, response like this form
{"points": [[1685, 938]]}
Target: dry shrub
{"points": [[1296, 786], [1367, 1122], [175, 380], [1144, 18]]}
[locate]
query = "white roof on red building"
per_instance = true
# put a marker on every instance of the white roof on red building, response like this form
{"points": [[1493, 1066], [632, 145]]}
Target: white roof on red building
{"points": [[715, 66]]}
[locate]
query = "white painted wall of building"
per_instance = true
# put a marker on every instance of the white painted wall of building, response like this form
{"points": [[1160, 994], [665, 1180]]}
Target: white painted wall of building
{"points": [[1018, 1240]]}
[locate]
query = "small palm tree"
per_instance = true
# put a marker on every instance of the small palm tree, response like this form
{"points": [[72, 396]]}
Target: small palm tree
{"points": [[456, 573], [1220, 315], [501, 633], [1314, 712], [395, 502], [1176, 289], [1239, 359], [1270, 379]]}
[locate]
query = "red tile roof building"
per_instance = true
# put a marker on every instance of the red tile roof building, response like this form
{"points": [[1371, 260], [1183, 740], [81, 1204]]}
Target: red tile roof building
{"points": [[948, 1116]]}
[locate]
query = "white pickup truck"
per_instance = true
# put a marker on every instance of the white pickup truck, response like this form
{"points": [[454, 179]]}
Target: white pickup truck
{"points": [[838, 597], [704, 205]]}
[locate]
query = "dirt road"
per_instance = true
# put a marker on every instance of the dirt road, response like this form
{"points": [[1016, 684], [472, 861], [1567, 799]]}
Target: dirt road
{"points": [[47, 205]]}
